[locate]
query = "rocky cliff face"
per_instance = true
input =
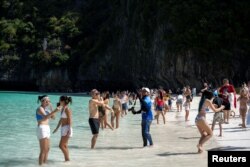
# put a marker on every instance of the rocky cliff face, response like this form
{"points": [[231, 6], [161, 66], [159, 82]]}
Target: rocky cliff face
{"points": [[141, 55], [135, 43]]}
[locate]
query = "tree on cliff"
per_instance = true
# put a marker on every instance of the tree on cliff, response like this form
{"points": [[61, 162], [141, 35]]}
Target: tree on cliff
{"points": [[134, 38]]}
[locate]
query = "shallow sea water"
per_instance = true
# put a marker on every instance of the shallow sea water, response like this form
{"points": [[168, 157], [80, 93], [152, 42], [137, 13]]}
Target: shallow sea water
{"points": [[20, 147], [174, 143]]}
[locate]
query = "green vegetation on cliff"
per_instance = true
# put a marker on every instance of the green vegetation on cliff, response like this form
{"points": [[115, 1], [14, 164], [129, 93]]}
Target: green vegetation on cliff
{"points": [[148, 42]]}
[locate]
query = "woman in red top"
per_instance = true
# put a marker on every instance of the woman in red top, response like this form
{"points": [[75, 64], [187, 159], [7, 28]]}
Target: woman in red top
{"points": [[159, 103]]}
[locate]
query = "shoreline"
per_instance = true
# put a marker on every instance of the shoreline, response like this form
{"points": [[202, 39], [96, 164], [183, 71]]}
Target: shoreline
{"points": [[174, 142], [49, 93]]}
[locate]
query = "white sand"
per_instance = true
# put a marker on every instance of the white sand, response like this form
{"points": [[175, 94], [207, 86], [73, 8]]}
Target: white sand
{"points": [[174, 143]]}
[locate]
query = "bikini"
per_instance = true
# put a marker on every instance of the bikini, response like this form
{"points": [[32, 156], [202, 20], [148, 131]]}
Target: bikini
{"points": [[63, 114], [43, 130], [66, 128], [201, 117], [116, 105], [40, 117], [243, 107]]}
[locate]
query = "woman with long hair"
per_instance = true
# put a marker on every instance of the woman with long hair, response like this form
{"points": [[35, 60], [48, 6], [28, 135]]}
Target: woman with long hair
{"points": [[106, 102], [243, 99], [66, 125], [43, 115], [200, 120], [159, 102], [117, 105], [187, 103]]}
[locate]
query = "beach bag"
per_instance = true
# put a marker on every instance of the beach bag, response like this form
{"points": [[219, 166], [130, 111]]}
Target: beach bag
{"points": [[248, 117]]}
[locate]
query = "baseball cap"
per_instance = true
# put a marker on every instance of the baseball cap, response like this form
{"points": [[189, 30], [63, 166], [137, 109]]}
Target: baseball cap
{"points": [[146, 89]]}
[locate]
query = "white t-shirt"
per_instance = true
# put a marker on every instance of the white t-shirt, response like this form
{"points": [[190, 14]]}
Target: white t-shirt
{"points": [[179, 97]]}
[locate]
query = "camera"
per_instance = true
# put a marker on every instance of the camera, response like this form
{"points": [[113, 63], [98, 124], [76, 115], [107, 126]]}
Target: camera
{"points": [[131, 109]]}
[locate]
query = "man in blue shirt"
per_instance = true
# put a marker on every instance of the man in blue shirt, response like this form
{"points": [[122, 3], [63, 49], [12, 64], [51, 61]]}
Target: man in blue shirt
{"points": [[147, 116]]}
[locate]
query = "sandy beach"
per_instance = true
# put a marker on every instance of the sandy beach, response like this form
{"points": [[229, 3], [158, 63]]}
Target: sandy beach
{"points": [[174, 143]]}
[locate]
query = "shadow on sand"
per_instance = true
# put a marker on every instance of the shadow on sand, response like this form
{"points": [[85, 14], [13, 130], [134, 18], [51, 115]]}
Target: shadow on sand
{"points": [[118, 148], [188, 138], [229, 148], [239, 130], [176, 154], [232, 127], [105, 148]]}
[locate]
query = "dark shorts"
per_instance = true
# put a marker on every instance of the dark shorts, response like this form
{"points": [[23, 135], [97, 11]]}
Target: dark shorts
{"points": [[169, 102], [124, 106], [94, 125], [159, 108], [227, 105]]}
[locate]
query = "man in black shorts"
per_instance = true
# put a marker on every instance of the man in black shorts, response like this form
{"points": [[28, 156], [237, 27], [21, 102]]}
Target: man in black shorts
{"points": [[94, 123]]}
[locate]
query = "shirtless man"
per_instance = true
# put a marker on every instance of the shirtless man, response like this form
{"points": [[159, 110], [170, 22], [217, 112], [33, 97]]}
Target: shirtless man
{"points": [[94, 115]]}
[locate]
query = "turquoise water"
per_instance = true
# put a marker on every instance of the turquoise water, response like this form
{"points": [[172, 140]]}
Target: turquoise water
{"points": [[19, 145], [18, 142], [174, 143]]}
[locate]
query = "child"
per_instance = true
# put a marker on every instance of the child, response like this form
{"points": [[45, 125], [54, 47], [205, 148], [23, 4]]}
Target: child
{"points": [[218, 116]]}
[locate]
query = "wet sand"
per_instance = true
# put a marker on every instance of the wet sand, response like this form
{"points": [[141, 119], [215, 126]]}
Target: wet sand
{"points": [[174, 143]]}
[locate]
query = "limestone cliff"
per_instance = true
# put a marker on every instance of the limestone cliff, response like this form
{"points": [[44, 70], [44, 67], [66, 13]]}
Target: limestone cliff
{"points": [[133, 43]]}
